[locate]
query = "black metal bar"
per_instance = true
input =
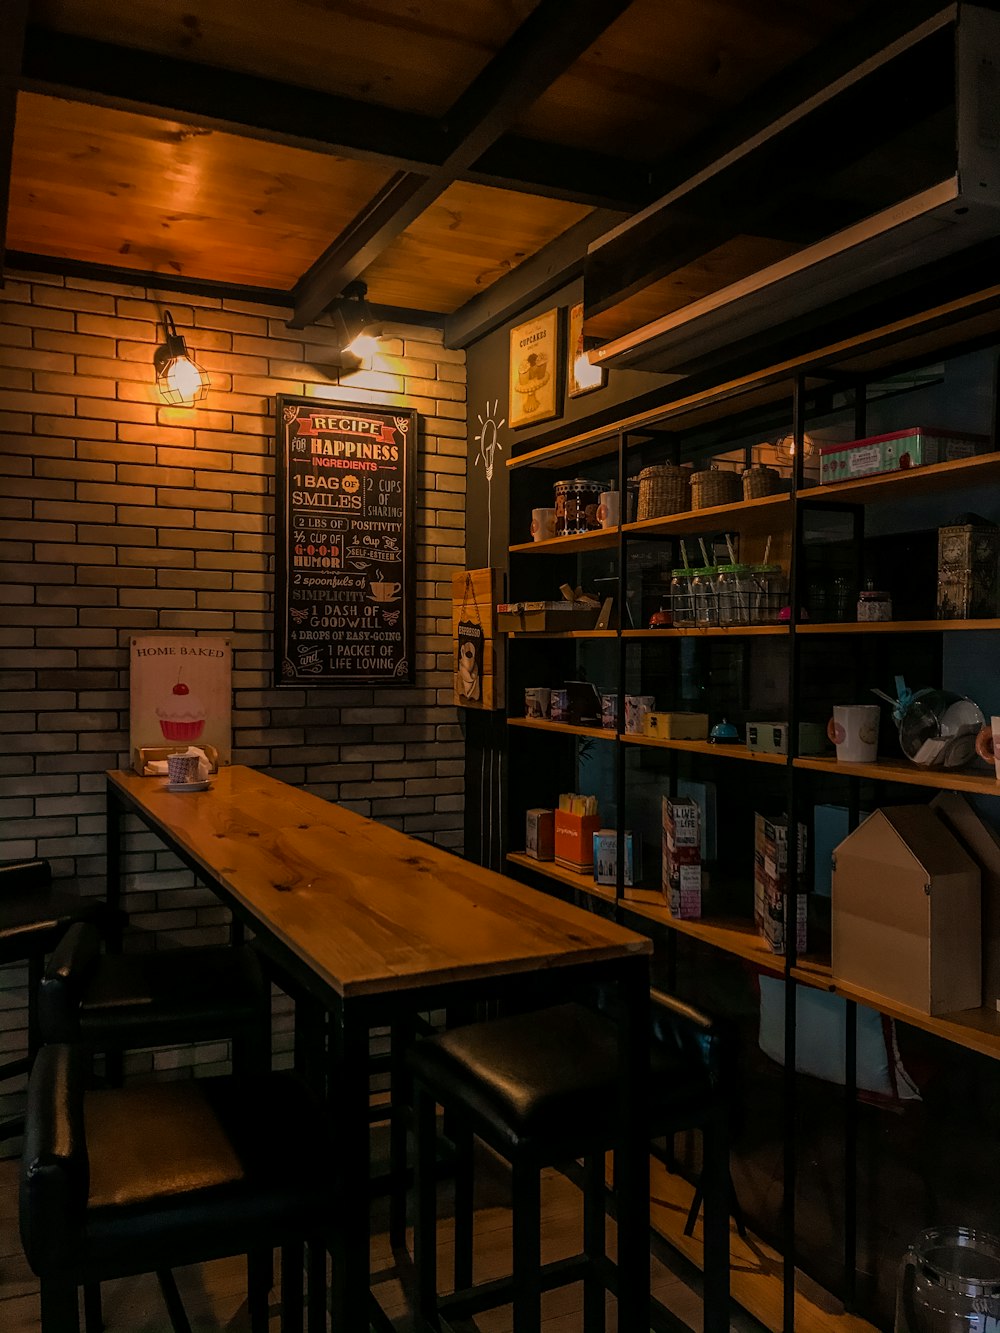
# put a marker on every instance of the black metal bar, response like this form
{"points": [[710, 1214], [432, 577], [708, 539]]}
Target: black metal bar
{"points": [[292, 1265], [172, 1300], [621, 774], [500, 1291], [463, 1140], [349, 1075], [850, 1155], [425, 1224], [594, 1241], [93, 1314], [527, 1244], [631, 1148], [113, 874]]}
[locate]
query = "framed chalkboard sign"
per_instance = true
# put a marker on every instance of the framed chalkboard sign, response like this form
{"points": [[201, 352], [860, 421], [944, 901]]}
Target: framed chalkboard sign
{"points": [[345, 577]]}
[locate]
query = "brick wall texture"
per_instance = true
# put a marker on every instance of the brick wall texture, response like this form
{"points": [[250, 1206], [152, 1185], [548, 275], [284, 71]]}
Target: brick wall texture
{"points": [[119, 515]]}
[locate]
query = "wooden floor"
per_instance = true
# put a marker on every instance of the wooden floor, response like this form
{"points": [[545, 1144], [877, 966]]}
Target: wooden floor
{"points": [[213, 1293]]}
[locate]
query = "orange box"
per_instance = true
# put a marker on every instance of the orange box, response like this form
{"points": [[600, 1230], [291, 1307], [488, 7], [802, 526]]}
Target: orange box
{"points": [[575, 840]]}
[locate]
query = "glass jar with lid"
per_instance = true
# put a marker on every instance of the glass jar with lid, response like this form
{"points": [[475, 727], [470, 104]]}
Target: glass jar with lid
{"points": [[682, 597], [704, 597], [734, 592], [949, 1282], [770, 593], [874, 604]]}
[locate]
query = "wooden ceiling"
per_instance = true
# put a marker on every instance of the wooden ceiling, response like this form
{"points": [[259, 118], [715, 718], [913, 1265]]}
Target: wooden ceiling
{"points": [[429, 147]]}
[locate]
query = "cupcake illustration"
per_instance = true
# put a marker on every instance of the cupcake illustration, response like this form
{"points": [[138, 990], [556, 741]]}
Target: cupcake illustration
{"points": [[182, 717]]}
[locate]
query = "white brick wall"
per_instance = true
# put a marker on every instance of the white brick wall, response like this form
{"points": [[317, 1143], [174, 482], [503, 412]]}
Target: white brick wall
{"points": [[118, 515]]}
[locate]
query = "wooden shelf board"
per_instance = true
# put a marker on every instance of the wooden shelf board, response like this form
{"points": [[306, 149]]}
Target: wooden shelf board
{"points": [[582, 882], [755, 1268], [744, 513], [930, 480], [899, 627], [562, 728], [725, 751], [561, 634], [898, 770], [975, 1029], [706, 632], [601, 539]]}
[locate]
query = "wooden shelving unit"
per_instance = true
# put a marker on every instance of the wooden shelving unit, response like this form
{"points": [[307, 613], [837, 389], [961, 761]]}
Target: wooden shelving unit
{"points": [[981, 781], [709, 632], [602, 539], [898, 627], [725, 751], [771, 510], [562, 728], [561, 634], [983, 470], [573, 878]]}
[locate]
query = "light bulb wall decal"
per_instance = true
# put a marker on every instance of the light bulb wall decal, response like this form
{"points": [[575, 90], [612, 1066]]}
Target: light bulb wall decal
{"points": [[488, 440], [179, 378]]}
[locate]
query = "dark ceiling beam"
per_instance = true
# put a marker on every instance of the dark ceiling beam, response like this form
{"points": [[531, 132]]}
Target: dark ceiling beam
{"points": [[551, 39], [560, 262], [147, 83], [14, 21], [578, 175]]}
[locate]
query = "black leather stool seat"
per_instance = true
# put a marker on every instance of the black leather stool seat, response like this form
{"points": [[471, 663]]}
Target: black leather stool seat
{"points": [[33, 915], [550, 1076], [149, 999], [142, 1179]]}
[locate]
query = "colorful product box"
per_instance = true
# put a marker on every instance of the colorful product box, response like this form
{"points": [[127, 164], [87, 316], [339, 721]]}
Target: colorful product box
{"points": [[539, 834], [609, 712], [676, 726], [574, 840], [606, 857], [771, 882], [916, 446], [559, 705], [636, 708], [682, 884], [772, 737]]}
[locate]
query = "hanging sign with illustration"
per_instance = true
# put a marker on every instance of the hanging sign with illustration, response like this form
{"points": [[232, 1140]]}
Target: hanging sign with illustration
{"points": [[473, 602], [180, 695], [344, 563]]}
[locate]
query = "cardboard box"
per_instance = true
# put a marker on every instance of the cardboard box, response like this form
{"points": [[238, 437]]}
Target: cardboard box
{"points": [[916, 446], [539, 834], [606, 857], [906, 912], [772, 737], [983, 845], [676, 726], [545, 616], [681, 877], [574, 840]]}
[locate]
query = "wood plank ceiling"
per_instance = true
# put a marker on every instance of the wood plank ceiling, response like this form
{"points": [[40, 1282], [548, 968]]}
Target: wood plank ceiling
{"points": [[428, 147]]}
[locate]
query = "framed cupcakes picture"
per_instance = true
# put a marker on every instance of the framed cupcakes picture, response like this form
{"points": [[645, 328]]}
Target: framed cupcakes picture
{"points": [[535, 370], [180, 697]]}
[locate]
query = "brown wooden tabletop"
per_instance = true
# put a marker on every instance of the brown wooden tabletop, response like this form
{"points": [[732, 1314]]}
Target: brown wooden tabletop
{"points": [[367, 908]]}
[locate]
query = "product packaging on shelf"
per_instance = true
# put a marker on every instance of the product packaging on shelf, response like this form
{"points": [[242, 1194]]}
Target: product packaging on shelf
{"points": [[539, 834], [771, 882], [772, 737], [968, 578], [916, 446], [676, 726], [636, 708], [682, 856], [606, 857], [575, 823]]}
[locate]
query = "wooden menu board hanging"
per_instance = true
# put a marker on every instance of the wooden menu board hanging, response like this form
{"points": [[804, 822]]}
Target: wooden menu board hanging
{"points": [[344, 567]]}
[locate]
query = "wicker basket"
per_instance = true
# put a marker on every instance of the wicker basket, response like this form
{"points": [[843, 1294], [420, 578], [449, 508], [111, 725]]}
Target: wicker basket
{"points": [[715, 486], [664, 489], [760, 480]]}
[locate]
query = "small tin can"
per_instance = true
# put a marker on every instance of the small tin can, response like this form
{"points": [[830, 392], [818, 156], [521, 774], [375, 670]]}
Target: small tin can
{"points": [[576, 506], [874, 604]]}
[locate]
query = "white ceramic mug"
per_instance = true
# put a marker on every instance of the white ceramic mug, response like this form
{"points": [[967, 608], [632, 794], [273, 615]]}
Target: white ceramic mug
{"points": [[988, 744], [609, 510], [854, 731], [385, 592], [543, 524]]}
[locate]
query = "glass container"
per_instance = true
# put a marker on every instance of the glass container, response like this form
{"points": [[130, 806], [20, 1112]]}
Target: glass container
{"points": [[706, 603], [949, 1282], [734, 591], [938, 729], [770, 594], [682, 598]]}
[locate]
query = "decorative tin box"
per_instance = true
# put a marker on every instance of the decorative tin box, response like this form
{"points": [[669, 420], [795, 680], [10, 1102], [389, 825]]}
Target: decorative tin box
{"points": [[916, 446], [968, 555]]}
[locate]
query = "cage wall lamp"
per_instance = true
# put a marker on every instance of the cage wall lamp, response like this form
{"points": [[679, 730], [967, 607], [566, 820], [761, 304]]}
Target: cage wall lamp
{"points": [[179, 378]]}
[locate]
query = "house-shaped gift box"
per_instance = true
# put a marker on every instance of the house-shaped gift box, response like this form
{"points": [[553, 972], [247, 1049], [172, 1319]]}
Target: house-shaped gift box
{"points": [[906, 912]]}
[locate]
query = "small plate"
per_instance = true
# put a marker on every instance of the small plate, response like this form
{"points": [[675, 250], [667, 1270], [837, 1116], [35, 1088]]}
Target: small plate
{"points": [[189, 786]]}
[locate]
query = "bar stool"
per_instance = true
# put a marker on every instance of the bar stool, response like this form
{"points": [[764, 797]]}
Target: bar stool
{"points": [[149, 1178], [33, 918], [119, 1002], [540, 1089]]}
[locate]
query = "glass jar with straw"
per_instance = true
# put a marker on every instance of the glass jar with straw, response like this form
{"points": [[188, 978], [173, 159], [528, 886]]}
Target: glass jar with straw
{"points": [[704, 593], [734, 590], [681, 594], [769, 593]]}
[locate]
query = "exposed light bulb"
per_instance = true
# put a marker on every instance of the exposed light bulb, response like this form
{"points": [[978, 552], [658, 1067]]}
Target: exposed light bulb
{"points": [[184, 380], [363, 346], [180, 380]]}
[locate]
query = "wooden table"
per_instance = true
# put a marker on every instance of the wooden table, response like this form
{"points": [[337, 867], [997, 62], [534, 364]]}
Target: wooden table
{"points": [[375, 925]]}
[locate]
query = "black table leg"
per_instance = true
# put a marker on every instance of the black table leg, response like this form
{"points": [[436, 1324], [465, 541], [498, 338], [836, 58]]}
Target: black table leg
{"points": [[348, 1083], [632, 1150], [113, 836]]}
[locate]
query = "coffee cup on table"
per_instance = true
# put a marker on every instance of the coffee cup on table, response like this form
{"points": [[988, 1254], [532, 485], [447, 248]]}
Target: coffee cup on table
{"points": [[988, 744], [182, 768], [854, 731], [543, 525]]}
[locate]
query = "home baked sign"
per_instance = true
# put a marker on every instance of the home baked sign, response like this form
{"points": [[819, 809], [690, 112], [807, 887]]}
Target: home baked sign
{"points": [[344, 565]]}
